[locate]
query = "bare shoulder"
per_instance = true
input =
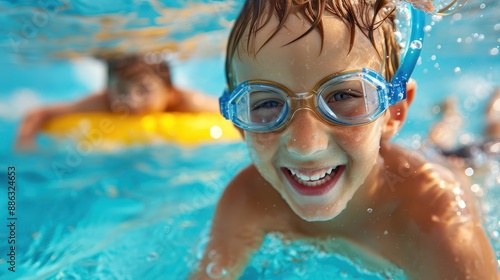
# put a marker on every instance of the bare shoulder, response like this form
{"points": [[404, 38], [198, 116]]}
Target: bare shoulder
{"points": [[430, 186], [438, 217]]}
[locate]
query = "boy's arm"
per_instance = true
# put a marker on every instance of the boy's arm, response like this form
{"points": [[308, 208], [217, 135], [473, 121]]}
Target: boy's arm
{"points": [[460, 235], [236, 233], [452, 240], [467, 252], [34, 121]]}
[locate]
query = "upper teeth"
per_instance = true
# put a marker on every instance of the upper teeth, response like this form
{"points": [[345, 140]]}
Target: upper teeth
{"points": [[312, 178]]}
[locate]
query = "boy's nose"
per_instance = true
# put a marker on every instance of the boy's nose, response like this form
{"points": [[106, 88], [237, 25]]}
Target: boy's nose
{"points": [[307, 134]]}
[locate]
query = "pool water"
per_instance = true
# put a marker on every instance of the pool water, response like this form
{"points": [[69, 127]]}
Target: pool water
{"points": [[144, 212]]}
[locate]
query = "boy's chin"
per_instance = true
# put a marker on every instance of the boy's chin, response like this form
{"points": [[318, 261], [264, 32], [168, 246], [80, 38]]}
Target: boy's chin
{"points": [[317, 213]]}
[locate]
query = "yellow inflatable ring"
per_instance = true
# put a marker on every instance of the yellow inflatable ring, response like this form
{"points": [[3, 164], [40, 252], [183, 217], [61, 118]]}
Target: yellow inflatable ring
{"points": [[181, 128]]}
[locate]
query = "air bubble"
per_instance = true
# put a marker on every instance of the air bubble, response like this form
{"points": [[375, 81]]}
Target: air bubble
{"points": [[457, 70], [494, 51], [369, 210]]}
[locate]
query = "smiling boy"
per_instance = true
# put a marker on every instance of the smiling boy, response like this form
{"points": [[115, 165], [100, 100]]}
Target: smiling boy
{"points": [[308, 90]]}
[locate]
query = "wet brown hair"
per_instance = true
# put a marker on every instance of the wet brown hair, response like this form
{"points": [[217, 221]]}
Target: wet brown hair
{"points": [[363, 14], [129, 67]]}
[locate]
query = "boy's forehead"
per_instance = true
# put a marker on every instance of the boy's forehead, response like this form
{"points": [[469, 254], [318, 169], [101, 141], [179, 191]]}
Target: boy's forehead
{"points": [[305, 60]]}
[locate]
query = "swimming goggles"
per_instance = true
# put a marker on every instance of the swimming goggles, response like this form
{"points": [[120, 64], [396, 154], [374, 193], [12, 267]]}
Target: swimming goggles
{"points": [[348, 98]]}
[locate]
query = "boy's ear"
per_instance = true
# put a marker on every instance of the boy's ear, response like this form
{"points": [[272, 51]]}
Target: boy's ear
{"points": [[396, 114]]}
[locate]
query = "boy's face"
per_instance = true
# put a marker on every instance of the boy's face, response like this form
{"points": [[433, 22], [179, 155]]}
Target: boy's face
{"points": [[144, 93], [309, 148]]}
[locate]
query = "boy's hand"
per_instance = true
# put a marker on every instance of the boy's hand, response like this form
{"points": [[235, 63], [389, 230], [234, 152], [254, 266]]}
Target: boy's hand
{"points": [[29, 128]]}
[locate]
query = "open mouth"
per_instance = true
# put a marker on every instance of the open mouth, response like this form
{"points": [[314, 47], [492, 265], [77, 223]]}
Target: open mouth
{"points": [[316, 182]]}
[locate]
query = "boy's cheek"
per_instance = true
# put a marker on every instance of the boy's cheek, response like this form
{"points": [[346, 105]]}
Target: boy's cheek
{"points": [[261, 141]]}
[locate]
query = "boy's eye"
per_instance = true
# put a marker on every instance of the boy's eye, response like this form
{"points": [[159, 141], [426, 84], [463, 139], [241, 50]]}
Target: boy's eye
{"points": [[267, 104], [343, 95]]}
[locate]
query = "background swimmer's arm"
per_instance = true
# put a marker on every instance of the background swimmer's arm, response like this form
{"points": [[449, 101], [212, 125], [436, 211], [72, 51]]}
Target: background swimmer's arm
{"points": [[193, 101], [34, 121], [236, 233]]}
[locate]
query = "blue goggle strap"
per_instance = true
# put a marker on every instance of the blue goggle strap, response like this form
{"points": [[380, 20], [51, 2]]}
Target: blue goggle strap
{"points": [[416, 39]]}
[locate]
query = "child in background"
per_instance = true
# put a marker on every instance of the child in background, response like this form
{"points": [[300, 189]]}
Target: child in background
{"points": [[308, 89], [444, 134], [134, 87]]}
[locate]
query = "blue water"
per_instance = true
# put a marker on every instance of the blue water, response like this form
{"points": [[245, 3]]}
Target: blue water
{"points": [[144, 212]]}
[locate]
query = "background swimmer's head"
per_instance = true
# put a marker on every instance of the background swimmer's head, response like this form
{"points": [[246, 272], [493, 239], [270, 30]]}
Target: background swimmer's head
{"points": [[364, 16], [492, 129], [139, 85]]}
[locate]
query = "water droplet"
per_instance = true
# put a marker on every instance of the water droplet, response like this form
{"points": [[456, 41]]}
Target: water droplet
{"points": [[462, 204], [215, 271], [300, 270], [152, 256], [475, 188], [437, 18], [369, 210], [416, 44], [494, 51], [456, 70], [167, 229], [457, 17], [212, 254], [427, 28], [433, 57], [469, 171], [386, 232]]}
